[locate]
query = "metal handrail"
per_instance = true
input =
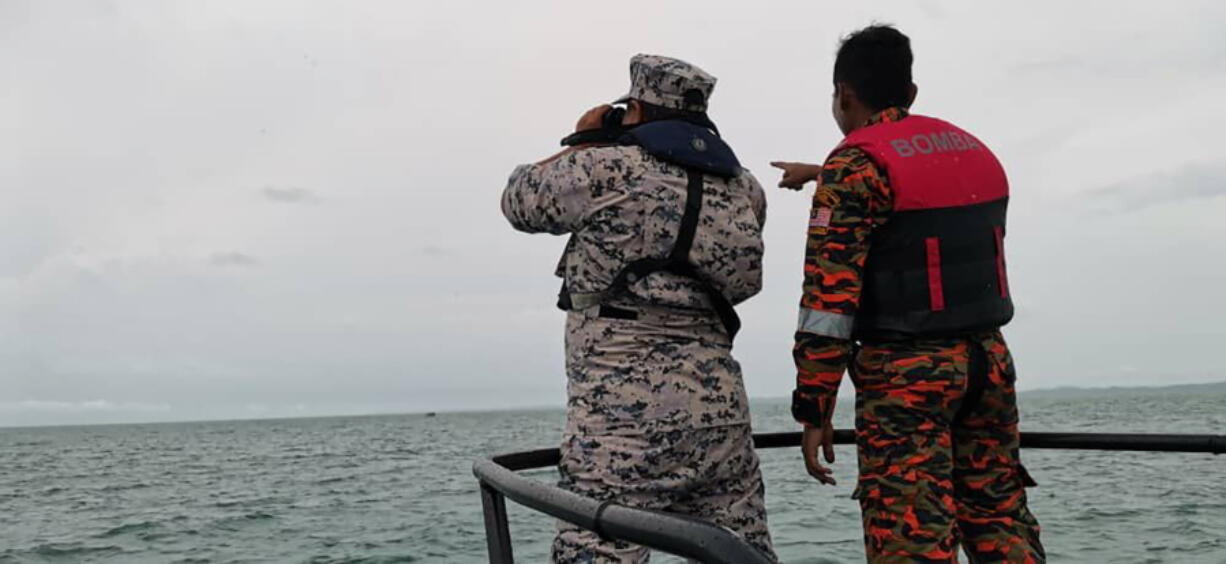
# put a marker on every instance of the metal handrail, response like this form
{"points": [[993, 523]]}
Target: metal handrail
{"points": [[1127, 442], [671, 533], [699, 540]]}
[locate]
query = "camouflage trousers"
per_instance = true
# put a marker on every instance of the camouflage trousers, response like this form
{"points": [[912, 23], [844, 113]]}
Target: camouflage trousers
{"points": [[936, 430], [709, 473]]}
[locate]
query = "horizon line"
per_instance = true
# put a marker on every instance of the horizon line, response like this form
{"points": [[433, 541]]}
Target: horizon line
{"points": [[512, 409]]}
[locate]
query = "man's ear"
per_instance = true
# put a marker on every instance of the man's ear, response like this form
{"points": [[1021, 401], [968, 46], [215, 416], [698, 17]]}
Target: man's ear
{"points": [[846, 96], [634, 113], [911, 94]]}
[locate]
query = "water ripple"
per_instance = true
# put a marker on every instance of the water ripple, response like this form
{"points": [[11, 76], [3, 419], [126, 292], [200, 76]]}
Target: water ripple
{"points": [[400, 489]]}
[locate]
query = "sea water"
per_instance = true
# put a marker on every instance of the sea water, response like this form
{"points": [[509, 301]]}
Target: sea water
{"points": [[399, 488]]}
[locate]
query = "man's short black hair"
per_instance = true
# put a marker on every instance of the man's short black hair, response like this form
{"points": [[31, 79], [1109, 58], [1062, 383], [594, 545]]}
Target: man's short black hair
{"points": [[876, 62]]}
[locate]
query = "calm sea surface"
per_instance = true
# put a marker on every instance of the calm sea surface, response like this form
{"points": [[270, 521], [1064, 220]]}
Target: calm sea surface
{"points": [[399, 488]]}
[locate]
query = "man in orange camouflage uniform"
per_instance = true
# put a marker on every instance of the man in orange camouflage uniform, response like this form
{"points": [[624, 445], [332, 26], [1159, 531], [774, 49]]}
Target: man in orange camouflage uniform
{"points": [[908, 291]]}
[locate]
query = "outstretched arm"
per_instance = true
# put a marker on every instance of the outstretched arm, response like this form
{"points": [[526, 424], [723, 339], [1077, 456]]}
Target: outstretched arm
{"points": [[796, 175]]}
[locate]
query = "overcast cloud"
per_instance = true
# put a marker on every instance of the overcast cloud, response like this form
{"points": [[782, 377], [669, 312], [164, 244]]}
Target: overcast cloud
{"points": [[235, 208]]}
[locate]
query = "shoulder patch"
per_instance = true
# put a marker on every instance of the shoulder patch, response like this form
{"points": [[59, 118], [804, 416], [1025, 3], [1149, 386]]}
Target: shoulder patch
{"points": [[826, 196]]}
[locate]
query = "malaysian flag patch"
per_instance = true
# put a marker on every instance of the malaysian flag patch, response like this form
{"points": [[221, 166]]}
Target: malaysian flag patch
{"points": [[821, 219]]}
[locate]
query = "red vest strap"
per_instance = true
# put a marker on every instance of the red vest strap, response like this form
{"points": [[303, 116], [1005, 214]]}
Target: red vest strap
{"points": [[936, 288], [1002, 279]]}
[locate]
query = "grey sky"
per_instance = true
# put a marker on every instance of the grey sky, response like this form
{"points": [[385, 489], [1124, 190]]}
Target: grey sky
{"points": [[271, 208]]}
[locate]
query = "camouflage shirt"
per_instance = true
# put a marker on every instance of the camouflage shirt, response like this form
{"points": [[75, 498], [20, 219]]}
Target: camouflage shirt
{"points": [[853, 197], [672, 368], [620, 204]]}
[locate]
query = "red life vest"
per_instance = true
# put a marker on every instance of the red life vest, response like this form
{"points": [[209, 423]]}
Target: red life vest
{"points": [[937, 267]]}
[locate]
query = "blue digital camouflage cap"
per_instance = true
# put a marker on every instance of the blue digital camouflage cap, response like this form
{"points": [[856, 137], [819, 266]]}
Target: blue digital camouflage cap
{"points": [[668, 82]]}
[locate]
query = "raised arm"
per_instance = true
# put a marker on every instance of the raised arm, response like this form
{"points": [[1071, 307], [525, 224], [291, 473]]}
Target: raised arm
{"points": [[552, 196]]}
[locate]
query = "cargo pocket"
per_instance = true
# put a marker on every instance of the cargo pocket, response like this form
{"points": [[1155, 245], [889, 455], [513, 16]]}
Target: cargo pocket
{"points": [[889, 511]]}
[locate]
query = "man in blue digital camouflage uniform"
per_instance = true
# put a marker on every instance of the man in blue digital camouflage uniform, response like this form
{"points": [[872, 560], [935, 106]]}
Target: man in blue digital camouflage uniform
{"points": [[665, 236]]}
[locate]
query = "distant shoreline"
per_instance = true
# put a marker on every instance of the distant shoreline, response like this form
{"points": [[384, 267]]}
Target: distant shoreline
{"points": [[1212, 387], [1071, 392]]}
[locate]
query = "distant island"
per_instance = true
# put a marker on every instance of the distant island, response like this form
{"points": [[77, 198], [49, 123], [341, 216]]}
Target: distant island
{"points": [[1074, 392]]}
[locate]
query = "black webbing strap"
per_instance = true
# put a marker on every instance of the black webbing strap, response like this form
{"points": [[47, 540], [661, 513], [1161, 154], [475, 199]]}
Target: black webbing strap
{"points": [[678, 261], [723, 308], [689, 220]]}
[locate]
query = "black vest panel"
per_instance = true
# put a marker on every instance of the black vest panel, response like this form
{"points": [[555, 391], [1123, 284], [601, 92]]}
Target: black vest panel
{"points": [[936, 273]]}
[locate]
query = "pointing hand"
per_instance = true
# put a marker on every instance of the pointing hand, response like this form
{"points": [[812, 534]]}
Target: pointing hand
{"points": [[796, 175]]}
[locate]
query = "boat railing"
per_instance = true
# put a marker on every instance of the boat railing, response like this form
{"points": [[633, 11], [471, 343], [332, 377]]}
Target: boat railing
{"points": [[698, 540]]}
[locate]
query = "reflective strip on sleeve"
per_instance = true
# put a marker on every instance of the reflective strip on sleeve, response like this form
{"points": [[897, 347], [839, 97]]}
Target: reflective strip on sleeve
{"points": [[825, 323]]}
